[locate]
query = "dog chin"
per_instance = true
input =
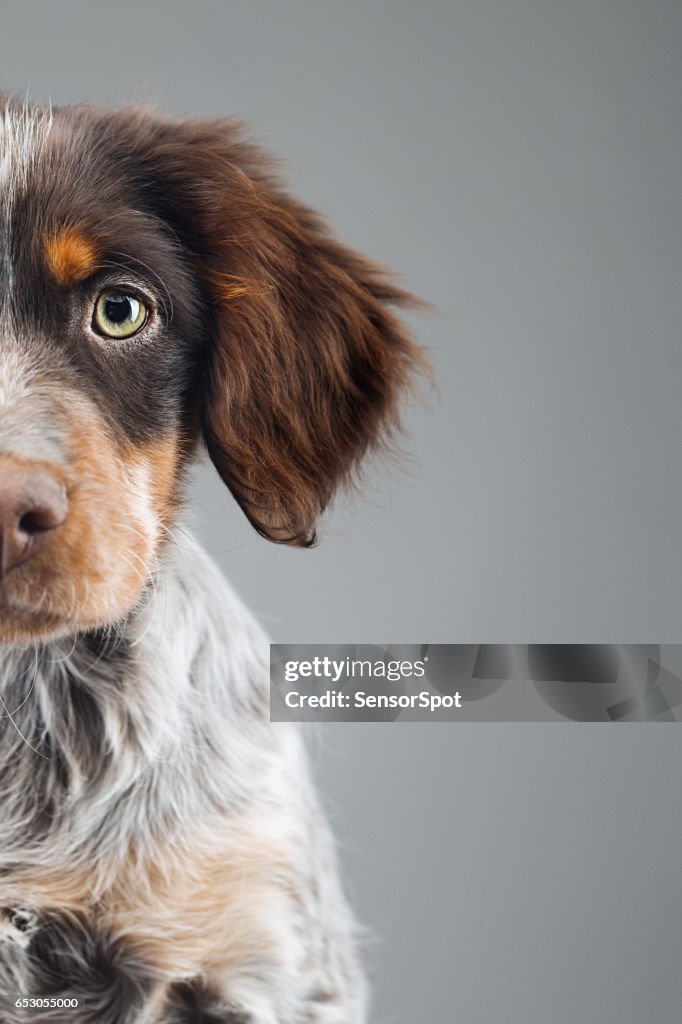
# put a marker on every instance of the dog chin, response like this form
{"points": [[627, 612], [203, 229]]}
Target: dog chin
{"points": [[37, 613], [22, 625]]}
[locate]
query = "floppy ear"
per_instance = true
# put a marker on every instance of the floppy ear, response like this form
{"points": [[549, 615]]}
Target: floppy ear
{"points": [[307, 365]]}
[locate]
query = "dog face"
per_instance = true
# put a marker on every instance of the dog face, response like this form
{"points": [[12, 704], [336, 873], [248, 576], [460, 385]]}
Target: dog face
{"points": [[157, 287]]}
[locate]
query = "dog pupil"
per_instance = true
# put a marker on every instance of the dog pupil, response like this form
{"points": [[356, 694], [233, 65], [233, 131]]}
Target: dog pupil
{"points": [[118, 309]]}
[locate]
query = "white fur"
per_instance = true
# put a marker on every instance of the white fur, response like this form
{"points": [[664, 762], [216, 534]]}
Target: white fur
{"points": [[23, 132], [187, 740]]}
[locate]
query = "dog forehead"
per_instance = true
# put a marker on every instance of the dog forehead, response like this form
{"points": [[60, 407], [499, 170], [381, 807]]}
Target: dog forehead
{"points": [[62, 148], [61, 171], [41, 196], [74, 200], [46, 169]]}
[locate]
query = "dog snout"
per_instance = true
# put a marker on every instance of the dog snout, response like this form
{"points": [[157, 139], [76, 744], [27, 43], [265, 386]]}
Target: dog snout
{"points": [[33, 505]]}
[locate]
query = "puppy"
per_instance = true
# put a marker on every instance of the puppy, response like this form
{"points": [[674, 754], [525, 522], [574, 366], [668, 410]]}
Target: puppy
{"points": [[163, 856]]}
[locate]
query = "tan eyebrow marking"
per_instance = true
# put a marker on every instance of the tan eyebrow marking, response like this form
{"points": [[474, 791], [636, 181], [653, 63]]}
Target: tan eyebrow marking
{"points": [[71, 255]]}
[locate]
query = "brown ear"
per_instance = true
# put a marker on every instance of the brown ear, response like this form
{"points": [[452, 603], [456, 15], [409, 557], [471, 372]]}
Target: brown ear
{"points": [[308, 365]]}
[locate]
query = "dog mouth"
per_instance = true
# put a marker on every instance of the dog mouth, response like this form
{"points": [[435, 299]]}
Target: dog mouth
{"points": [[76, 582], [43, 600], [81, 521], [50, 606], [34, 503], [76, 549]]}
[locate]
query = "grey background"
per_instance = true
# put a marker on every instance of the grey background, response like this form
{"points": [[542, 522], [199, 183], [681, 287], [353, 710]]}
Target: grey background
{"points": [[519, 162]]}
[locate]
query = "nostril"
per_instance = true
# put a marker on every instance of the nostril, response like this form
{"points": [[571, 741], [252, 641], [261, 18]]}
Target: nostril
{"points": [[33, 503], [38, 520], [42, 507]]}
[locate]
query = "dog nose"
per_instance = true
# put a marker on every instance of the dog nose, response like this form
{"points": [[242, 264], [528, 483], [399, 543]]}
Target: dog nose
{"points": [[33, 504]]}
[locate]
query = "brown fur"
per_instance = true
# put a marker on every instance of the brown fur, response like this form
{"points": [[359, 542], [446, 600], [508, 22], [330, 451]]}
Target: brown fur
{"points": [[303, 363], [197, 910], [71, 255], [100, 562], [308, 365], [164, 462], [280, 347], [201, 909]]}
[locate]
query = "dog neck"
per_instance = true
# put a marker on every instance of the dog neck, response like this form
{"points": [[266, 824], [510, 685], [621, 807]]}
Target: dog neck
{"points": [[90, 720]]}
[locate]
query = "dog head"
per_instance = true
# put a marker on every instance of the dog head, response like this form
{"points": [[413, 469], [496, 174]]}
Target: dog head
{"points": [[157, 286]]}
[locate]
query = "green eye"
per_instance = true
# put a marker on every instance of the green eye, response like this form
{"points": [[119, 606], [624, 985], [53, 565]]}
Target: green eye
{"points": [[118, 315]]}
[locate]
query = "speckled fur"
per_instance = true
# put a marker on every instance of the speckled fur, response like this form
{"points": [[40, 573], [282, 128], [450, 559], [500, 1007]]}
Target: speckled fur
{"points": [[163, 854], [129, 754]]}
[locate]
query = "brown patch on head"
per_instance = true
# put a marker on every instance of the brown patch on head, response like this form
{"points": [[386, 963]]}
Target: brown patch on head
{"points": [[71, 255]]}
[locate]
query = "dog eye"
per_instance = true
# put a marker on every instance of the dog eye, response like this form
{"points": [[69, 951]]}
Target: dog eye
{"points": [[119, 315]]}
